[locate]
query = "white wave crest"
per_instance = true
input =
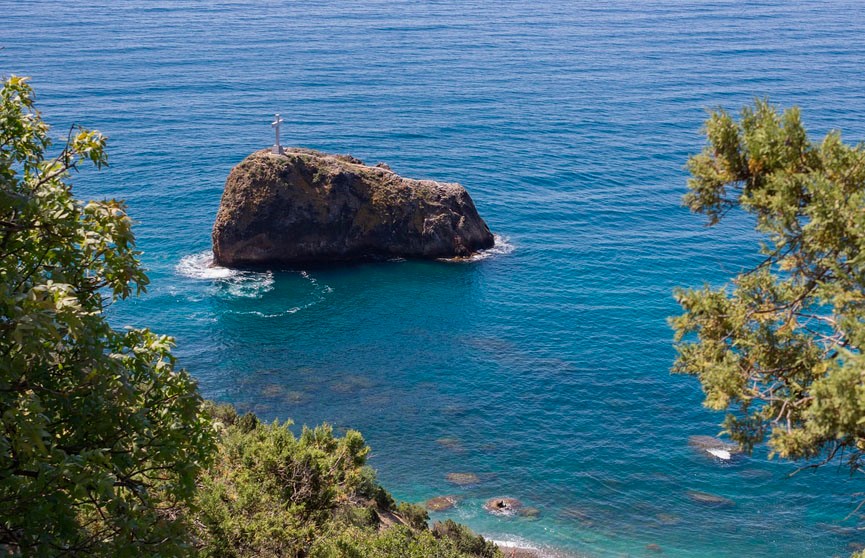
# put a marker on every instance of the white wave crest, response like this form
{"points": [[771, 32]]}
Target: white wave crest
{"points": [[501, 247], [237, 283], [249, 285], [233, 283], [200, 266], [318, 293]]}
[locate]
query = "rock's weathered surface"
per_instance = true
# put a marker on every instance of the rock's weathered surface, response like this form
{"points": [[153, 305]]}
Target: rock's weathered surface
{"points": [[306, 206]]}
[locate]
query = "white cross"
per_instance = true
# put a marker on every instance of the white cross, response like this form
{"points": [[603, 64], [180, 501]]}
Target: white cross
{"points": [[277, 149]]}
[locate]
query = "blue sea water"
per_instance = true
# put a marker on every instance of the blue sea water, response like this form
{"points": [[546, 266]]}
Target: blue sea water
{"points": [[544, 367]]}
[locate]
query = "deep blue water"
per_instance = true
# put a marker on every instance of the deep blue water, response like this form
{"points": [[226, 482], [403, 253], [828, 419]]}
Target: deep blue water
{"points": [[570, 124]]}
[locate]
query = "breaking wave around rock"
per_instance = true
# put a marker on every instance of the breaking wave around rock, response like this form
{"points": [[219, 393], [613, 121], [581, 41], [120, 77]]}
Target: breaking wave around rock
{"points": [[236, 283], [200, 266], [233, 283], [502, 247]]}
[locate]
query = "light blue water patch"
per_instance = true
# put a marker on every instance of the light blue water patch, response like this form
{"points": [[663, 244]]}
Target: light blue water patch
{"points": [[543, 368]]}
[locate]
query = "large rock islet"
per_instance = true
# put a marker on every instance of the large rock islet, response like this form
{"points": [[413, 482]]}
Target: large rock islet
{"points": [[305, 206]]}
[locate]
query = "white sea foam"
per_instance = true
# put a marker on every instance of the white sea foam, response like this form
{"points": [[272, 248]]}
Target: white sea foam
{"points": [[200, 266], [519, 542], [501, 247], [245, 284], [249, 285], [236, 283], [720, 453], [273, 314], [318, 293]]}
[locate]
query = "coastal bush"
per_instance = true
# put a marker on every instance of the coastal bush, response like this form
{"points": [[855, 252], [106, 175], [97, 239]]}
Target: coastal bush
{"points": [[395, 542], [413, 515], [270, 493], [102, 436], [465, 539], [780, 346]]}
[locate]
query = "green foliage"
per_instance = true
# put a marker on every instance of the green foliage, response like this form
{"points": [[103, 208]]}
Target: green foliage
{"points": [[413, 515], [102, 438], [780, 347], [272, 494], [396, 542], [465, 540], [369, 489], [445, 540]]}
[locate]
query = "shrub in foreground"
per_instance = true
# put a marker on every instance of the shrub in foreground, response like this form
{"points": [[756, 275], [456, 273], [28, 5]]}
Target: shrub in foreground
{"points": [[271, 494]]}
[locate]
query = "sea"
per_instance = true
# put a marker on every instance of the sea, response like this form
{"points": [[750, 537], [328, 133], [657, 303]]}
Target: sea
{"points": [[541, 366]]}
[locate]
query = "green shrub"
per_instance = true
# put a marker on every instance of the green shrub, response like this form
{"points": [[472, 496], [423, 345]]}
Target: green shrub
{"points": [[272, 494], [395, 542], [101, 435], [465, 539], [414, 515]]}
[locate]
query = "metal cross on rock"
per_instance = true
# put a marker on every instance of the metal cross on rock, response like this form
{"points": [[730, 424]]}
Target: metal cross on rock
{"points": [[277, 149]]}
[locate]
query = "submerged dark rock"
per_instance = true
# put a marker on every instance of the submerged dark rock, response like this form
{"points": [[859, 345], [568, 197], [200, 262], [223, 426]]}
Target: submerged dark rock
{"points": [[442, 503], [503, 506], [306, 206], [708, 499], [452, 444], [463, 479]]}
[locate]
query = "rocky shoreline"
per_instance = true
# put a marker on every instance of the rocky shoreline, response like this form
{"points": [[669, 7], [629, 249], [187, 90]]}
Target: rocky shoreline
{"points": [[511, 550], [495, 506], [518, 552]]}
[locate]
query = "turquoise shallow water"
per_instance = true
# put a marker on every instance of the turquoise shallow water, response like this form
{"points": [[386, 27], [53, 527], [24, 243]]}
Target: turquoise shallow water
{"points": [[547, 362]]}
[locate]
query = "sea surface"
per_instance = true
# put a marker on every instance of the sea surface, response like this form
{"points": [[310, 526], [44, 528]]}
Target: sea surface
{"points": [[542, 367]]}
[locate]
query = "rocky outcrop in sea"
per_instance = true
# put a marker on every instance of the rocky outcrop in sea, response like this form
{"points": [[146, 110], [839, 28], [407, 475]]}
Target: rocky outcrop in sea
{"points": [[305, 206]]}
